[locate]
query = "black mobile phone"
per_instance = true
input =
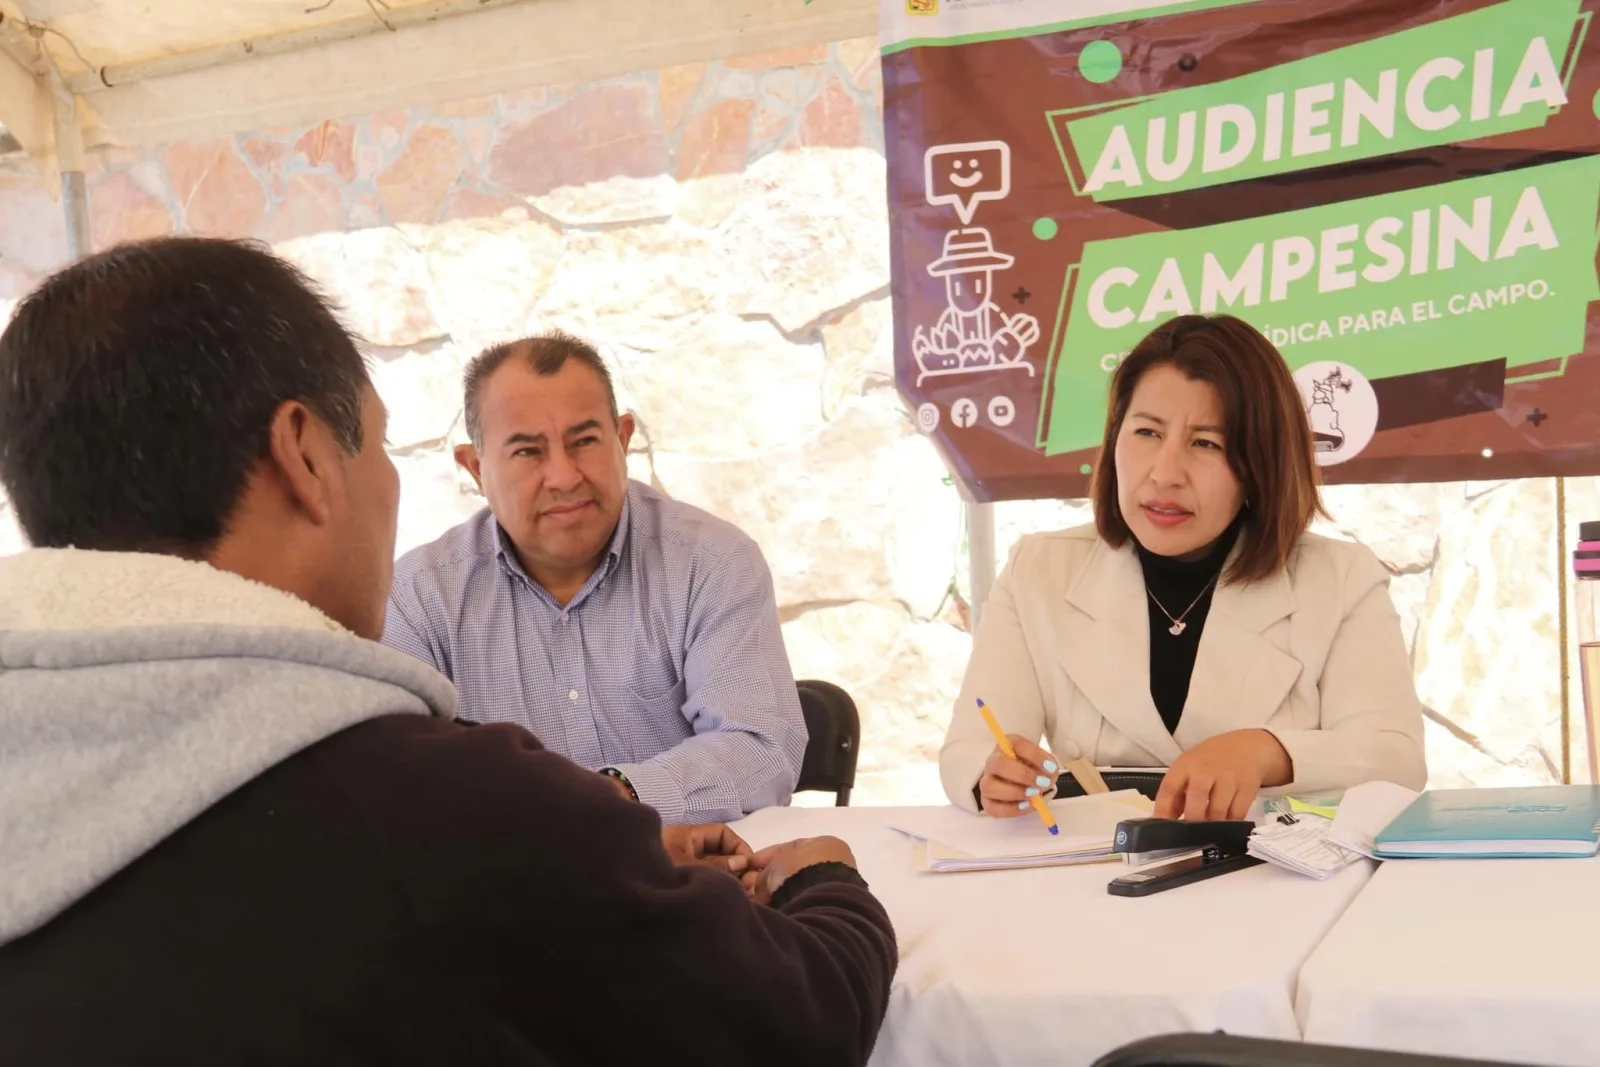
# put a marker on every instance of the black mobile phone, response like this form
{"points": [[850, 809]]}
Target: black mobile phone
{"points": [[1180, 872]]}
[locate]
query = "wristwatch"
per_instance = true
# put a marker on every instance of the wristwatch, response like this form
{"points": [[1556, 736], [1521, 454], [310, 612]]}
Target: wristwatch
{"points": [[612, 772]]}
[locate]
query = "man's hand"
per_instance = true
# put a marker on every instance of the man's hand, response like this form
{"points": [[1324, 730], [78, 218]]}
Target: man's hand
{"points": [[775, 865], [707, 846], [1219, 779]]}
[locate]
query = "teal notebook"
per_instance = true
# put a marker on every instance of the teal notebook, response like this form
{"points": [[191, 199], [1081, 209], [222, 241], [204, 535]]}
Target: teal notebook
{"points": [[1549, 820]]}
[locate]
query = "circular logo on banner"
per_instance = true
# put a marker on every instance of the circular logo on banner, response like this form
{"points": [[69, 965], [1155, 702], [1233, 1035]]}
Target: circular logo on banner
{"points": [[928, 417], [1341, 407], [1002, 411]]}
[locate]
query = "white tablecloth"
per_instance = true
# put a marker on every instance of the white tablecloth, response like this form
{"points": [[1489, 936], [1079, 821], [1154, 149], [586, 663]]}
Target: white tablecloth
{"points": [[1045, 967], [1497, 959]]}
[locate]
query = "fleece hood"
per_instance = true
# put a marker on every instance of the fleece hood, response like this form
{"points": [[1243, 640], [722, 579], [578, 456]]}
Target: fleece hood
{"points": [[137, 690]]}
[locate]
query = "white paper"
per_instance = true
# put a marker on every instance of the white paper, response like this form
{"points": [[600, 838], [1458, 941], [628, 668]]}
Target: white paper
{"points": [[1318, 847], [942, 859], [1301, 846], [1087, 825], [1365, 812]]}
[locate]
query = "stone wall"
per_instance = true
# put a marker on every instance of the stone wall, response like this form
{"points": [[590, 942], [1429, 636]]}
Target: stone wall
{"points": [[720, 230]]}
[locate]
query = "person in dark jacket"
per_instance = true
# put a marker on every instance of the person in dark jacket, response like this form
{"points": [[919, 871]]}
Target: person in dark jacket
{"points": [[236, 829]]}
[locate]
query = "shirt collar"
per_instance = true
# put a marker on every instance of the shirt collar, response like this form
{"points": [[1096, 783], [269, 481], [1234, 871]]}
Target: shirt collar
{"points": [[619, 536]]}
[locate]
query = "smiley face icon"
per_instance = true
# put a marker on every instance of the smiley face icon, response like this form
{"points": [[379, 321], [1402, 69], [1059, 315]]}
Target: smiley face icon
{"points": [[966, 175], [972, 177]]}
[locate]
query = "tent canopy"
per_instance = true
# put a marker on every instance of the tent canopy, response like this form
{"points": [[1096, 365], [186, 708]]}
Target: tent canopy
{"points": [[132, 72]]}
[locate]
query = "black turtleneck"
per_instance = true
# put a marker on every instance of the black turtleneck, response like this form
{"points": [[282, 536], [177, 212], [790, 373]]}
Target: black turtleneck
{"points": [[1176, 583]]}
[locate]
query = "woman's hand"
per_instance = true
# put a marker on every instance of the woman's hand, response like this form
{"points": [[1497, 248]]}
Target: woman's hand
{"points": [[1219, 779], [1008, 784]]}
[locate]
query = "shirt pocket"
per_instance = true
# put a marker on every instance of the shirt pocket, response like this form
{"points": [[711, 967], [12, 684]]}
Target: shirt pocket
{"points": [[655, 719], [656, 690]]}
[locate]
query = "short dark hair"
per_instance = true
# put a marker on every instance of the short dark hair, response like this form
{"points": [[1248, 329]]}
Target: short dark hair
{"points": [[546, 354], [138, 388], [1268, 436]]}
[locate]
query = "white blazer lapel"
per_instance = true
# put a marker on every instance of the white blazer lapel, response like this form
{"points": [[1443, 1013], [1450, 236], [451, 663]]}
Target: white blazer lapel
{"points": [[1106, 648], [1240, 679]]}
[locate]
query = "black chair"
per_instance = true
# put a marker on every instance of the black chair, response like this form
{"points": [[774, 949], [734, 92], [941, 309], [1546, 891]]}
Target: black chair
{"points": [[835, 729], [1225, 1050], [1146, 782]]}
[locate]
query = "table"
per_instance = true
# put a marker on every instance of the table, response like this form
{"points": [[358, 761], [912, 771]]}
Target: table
{"points": [[1045, 967], [1498, 959]]}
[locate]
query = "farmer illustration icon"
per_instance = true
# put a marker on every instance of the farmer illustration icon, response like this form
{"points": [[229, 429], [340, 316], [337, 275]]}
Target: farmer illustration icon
{"points": [[972, 333], [1342, 408], [1324, 413]]}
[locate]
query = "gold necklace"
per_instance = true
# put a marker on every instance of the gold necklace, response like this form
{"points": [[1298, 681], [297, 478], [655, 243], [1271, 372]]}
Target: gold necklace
{"points": [[1178, 625]]}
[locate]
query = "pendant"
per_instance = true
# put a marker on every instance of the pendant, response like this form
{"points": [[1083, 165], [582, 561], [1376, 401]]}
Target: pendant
{"points": [[1176, 628]]}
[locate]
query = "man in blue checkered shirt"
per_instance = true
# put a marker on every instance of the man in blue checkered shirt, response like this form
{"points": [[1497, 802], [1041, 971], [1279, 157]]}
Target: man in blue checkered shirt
{"points": [[634, 634]]}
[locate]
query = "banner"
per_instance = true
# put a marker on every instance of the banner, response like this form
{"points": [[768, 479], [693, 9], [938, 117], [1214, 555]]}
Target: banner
{"points": [[1403, 195]]}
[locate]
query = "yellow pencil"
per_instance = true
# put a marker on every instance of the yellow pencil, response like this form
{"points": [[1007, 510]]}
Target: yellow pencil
{"points": [[1005, 746]]}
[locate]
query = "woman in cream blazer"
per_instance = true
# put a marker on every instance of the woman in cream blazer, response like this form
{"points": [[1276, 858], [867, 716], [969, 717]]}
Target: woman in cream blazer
{"points": [[1287, 671]]}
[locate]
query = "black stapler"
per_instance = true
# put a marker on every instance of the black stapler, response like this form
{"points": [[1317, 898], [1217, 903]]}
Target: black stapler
{"points": [[1213, 848]]}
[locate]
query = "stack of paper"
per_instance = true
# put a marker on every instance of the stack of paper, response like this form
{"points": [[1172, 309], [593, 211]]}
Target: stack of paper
{"points": [[1301, 846], [1364, 813], [1318, 847], [958, 841]]}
